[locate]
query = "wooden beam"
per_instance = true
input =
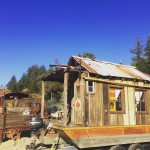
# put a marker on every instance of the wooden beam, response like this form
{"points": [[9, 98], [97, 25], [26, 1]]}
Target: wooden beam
{"points": [[43, 99], [66, 76], [116, 83]]}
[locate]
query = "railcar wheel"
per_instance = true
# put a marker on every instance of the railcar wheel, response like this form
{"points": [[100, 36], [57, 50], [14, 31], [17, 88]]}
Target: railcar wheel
{"points": [[117, 147], [135, 147]]}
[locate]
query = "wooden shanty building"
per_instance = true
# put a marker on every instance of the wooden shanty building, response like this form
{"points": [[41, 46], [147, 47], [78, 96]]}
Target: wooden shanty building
{"points": [[105, 104], [99, 93]]}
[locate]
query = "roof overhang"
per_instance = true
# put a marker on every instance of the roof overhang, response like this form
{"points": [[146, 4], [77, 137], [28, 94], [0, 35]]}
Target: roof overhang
{"points": [[55, 76]]}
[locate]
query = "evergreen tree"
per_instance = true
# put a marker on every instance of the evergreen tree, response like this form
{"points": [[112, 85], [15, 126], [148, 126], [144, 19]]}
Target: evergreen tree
{"points": [[30, 81], [23, 83], [147, 54], [138, 58], [35, 74], [12, 84], [137, 51]]}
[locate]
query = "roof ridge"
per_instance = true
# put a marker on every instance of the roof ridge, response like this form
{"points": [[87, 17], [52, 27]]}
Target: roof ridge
{"points": [[106, 62]]}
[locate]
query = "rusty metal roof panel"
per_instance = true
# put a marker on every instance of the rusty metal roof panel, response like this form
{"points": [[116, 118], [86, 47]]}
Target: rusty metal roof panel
{"points": [[111, 69], [108, 69], [130, 70], [138, 74]]}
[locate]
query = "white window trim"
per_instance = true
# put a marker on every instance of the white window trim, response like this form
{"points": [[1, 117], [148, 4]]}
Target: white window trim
{"points": [[87, 86], [139, 92]]}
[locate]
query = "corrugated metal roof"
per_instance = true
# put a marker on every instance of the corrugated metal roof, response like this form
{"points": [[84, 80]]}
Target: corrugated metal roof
{"points": [[111, 69]]}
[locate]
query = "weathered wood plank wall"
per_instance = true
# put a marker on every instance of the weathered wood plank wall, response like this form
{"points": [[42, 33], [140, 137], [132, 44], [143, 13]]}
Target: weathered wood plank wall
{"points": [[14, 119], [95, 106], [105, 105], [78, 103]]}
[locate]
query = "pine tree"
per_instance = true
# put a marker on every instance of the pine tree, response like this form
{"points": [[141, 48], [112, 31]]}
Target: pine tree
{"points": [[137, 51], [12, 84], [138, 58], [147, 55], [23, 83]]}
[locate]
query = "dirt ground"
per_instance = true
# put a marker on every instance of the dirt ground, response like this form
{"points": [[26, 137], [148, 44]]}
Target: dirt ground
{"points": [[19, 144]]}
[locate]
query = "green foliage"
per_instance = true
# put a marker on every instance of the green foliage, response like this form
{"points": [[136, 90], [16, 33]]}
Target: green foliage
{"points": [[12, 84], [87, 55], [141, 58], [147, 48], [137, 51], [147, 55], [54, 91], [23, 83], [30, 83]]}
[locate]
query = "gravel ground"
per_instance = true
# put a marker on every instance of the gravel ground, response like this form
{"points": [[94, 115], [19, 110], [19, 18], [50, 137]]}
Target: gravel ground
{"points": [[19, 144]]}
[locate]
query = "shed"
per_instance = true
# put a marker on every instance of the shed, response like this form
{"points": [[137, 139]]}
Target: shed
{"points": [[100, 93]]}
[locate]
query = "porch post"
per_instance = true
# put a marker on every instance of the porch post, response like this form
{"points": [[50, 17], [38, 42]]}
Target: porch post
{"points": [[65, 98], [42, 100]]}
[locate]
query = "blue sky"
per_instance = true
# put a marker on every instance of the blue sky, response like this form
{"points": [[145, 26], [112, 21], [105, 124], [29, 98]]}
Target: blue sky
{"points": [[39, 31]]}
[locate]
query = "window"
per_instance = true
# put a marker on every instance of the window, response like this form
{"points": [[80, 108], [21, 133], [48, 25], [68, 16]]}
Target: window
{"points": [[116, 100], [140, 101], [90, 86]]}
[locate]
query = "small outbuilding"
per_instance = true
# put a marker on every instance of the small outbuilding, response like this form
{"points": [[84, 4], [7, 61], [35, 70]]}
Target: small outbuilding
{"points": [[100, 93]]}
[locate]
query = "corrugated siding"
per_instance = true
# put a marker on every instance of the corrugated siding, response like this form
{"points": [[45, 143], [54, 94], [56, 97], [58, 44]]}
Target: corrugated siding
{"points": [[139, 73], [111, 69]]}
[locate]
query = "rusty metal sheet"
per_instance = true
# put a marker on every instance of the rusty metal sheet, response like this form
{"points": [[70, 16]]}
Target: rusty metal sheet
{"points": [[138, 74], [85, 65], [83, 137], [111, 69]]}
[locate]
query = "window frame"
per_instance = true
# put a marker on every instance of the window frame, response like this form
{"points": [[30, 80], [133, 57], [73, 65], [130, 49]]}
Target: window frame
{"points": [[145, 101], [93, 87], [122, 100]]}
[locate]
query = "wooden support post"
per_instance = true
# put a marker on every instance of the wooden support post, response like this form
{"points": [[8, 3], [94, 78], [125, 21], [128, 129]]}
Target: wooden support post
{"points": [[43, 99], [65, 98]]}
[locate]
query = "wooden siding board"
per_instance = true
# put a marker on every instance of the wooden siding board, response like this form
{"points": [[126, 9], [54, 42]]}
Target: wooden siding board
{"points": [[86, 100], [66, 77], [78, 113], [138, 118], [126, 107], [106, 105], [112, 119], [99, 92], [87, 109], [131, 105], [91, 110], [120, 119], [116, 119], [148, 119], [82, 91], [143, 118]]}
